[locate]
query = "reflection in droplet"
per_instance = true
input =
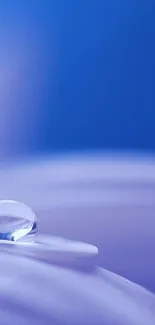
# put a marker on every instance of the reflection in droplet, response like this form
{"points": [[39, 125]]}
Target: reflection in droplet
{"points": [[17, 221]]}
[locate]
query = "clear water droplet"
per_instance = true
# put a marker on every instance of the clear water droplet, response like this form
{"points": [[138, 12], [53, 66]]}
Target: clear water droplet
{"points": [[17, 221]]}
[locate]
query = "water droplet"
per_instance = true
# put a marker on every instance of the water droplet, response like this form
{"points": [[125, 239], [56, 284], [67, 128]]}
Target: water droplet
{"points": [[17, 221]]}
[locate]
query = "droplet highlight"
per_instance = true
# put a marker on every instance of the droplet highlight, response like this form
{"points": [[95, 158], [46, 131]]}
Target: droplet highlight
{"points": [[17, 221]]}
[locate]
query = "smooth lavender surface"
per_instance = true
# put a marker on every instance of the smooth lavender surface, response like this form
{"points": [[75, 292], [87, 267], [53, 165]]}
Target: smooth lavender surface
{"points": [[36, 292], [115, 211]]}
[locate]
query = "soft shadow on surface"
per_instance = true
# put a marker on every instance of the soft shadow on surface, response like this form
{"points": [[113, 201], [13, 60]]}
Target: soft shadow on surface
{"points": [[38, 292], [116, 215]]}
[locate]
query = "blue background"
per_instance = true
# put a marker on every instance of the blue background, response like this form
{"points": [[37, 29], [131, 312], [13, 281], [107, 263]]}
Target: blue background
{"points": [[82, 74]]}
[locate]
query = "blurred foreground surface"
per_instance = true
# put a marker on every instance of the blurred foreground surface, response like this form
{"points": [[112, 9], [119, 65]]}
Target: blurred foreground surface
{"points": [[32, 292], [104, 200]]}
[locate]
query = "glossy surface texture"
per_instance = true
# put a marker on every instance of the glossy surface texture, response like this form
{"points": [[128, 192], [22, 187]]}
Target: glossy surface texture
{"points": [[16, 221]]}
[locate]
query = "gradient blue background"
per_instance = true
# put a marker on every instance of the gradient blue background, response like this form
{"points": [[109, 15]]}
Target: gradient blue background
{"points": [[77, 75]]}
